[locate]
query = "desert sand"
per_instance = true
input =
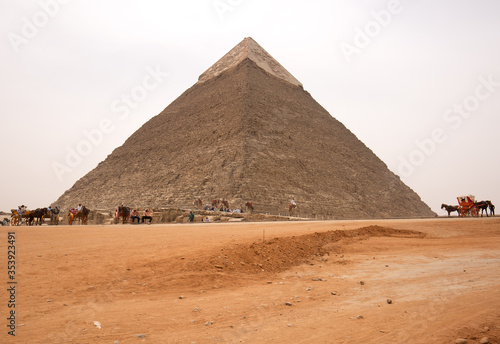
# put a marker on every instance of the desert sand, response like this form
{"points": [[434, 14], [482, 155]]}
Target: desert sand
{"points": [[378, 281]]}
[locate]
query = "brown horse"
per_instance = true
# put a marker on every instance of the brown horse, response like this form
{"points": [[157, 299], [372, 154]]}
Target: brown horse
{"points": [[28, 216], [483, 205], [124, 213], [38, 214], [291, 208], [249, 207], [81, 215], [450, 208]]}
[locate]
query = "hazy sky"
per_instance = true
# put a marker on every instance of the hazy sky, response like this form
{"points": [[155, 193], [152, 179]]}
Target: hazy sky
{"points": [[417, 81]]}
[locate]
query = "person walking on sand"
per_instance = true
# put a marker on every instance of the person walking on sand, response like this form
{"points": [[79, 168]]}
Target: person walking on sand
{"points": [[191, 217], [148, 215]]}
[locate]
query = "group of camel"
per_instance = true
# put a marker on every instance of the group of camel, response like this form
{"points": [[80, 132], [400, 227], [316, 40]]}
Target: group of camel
{"points": [[223, 204]]}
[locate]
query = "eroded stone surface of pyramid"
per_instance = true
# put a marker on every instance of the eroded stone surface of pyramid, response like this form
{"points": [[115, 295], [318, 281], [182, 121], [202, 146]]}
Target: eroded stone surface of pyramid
{"points": [[249, 49], [247, 131]]}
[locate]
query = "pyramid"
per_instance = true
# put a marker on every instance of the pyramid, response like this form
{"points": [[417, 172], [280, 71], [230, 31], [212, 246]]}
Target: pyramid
{"points": [[247, 131]]}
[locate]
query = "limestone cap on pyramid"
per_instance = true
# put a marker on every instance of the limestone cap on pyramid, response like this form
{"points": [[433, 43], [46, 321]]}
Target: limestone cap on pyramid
{"points": [[249, 49]]}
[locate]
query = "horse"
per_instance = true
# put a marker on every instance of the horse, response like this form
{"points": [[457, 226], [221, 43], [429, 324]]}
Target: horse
{"points": [[291, 208], [28, 216], [450, 208], [124, 213], [483, 205], [492, 209], [198, 203], [249, 207], [81, 215], [38, 214]]}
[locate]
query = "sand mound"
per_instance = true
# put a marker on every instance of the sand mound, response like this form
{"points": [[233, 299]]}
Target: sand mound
{"points": [[240, 262], [280, 254]]}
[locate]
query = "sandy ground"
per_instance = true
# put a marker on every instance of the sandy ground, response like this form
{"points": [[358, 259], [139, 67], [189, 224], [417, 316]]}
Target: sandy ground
{"points": [[256, 282]]}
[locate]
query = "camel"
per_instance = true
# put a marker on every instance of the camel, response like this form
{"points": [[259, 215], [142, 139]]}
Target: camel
{"points": [[54, 216], [249, 207], [198, 203]]}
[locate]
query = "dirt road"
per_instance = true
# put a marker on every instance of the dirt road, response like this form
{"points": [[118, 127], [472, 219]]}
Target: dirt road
{"points": [[393, 281]]}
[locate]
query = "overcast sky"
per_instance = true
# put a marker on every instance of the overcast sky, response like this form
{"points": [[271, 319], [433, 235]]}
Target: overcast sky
{"points": [[417, 81]]}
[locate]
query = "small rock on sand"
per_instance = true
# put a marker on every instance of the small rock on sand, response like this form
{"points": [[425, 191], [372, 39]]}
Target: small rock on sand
{"points": [[484, 340], [461, 341]]}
